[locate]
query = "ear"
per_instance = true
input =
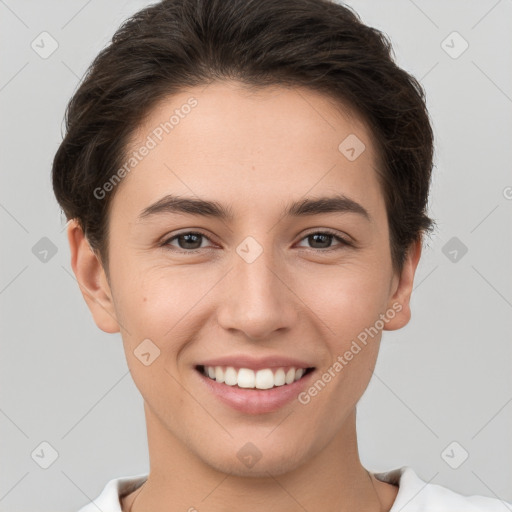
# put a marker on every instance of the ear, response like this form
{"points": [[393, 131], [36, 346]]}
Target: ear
{"points": [[91, 279], [401, 289]]}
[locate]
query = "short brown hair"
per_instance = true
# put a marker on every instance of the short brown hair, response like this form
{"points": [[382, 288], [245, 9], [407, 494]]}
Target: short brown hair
{"points": [[174, 44]]}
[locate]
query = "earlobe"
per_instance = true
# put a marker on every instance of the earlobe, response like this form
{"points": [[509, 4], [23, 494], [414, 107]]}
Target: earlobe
{"points": [[91, 279], [399, 302]]}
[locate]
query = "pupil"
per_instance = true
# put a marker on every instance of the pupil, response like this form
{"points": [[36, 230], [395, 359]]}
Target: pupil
{"points": [[325, 237], [187, 238]]}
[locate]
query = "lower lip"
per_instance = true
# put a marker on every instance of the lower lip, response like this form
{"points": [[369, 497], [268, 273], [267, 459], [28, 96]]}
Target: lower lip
{"points": [[256, 401]]}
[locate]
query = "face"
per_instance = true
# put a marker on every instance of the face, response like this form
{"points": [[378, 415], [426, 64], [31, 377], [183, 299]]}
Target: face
{"points": [[280, 282]]}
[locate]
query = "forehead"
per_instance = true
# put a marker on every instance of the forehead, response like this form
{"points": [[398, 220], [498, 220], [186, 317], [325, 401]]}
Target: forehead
{"points": [[224, 140]]}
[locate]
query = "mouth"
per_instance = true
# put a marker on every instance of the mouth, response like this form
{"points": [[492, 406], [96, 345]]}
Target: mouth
{"points": [[247, 378]]}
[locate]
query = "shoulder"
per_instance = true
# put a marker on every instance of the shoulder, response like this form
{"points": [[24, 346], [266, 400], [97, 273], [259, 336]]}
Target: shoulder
{"points": [[416, 495], [109, 499]]}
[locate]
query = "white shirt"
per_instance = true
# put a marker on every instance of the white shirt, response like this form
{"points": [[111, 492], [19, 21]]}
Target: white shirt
{"points": [[414, 495]]}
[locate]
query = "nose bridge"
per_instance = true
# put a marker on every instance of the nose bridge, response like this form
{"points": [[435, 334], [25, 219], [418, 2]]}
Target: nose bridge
{"points": [[257, 301], [256, 269]]}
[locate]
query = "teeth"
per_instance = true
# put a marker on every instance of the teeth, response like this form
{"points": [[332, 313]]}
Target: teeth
{"points": [[264, 379], [219, 374], [299, 373], [230, 376], [279, 377], [247, 378]]}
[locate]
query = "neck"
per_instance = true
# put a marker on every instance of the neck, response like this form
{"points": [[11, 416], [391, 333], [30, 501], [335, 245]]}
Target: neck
{"points": [[333, 480]]}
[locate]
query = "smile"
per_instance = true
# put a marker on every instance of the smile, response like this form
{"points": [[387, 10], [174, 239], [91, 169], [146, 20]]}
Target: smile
{"points": [[265, 378]]}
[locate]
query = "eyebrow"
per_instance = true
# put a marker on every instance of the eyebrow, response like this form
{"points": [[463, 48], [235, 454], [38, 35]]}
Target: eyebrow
{"points": [[307, 207]]}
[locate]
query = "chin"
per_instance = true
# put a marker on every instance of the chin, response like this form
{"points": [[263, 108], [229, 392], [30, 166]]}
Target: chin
{"points": [[263, 458]]}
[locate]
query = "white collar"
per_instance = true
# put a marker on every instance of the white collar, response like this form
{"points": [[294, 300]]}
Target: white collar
{"points": [[414, 494]]}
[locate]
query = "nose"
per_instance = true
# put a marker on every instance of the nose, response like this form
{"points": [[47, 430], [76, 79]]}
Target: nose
{"points": [[258, 298]]}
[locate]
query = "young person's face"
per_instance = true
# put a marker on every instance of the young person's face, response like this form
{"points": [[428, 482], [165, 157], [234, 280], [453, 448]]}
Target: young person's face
{"points": [[254, 287]]}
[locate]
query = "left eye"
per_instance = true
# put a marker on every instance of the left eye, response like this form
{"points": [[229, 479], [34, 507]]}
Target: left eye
{"points": [[324, 237], [191, 241]]}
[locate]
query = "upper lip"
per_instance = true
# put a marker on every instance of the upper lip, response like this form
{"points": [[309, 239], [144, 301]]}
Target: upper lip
{"points": [[256, 363]]}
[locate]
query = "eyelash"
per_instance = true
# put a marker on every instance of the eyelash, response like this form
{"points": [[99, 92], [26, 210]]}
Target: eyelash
{"points": [[343, 242]]}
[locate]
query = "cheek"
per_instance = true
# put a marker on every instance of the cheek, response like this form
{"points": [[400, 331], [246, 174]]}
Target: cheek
{"points": [[154, 313], [347, 299], [166, 306], [152, 300], [348, 305]]}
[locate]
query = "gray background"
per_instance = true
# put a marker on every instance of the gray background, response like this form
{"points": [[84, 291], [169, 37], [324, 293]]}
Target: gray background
{"points": [[445, 377]]}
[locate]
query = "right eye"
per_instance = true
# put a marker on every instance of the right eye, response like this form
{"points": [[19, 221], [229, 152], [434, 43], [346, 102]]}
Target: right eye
{"points": [[189, 242]]}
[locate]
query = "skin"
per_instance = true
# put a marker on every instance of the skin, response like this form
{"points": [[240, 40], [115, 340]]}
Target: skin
{"points": [[255, 152]]}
